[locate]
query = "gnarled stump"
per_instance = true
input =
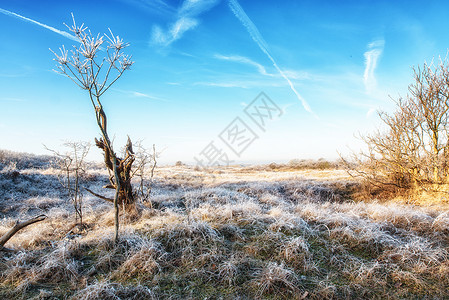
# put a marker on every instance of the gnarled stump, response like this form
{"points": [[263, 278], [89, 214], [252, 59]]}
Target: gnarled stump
{"points": [[126, 195]]}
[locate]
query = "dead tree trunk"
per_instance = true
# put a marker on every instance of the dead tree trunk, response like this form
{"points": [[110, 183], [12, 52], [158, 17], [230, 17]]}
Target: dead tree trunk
{"points": [[119, 169], [17, 227], [122, 170]]}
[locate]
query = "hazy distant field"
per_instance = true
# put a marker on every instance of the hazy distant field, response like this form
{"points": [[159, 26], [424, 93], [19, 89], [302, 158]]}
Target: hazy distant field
{"points": [[226, 233]]}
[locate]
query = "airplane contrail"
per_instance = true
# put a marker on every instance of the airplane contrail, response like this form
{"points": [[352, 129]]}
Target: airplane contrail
{"points": [[257, 37], [60, 32]]}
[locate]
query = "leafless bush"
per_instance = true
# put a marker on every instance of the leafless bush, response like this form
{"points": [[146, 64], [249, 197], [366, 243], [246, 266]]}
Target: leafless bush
{"points": [[413, 149], [72, 167], [143, 168]]}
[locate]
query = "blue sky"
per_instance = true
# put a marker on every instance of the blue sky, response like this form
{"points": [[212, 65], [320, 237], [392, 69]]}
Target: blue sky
{"points": [[328, 65]]}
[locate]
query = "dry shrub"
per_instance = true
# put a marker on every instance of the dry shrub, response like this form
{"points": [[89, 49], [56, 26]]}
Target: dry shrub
{"points": [[275, 279], [285, 221], [265, 245], [369, 274], [194, 245], [179, 236], [231, 232], [441, 222], [228, 270], [106, 290], [34, 267], [142, 264], [240, 213], [270, 199], [296, 251], [57, 267], [17, 268], [442, 273], [326, 290], [408, 279], [108, 256]]}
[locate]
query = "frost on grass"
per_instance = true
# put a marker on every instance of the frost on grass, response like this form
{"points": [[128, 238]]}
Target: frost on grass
{"points": [[235, 232]]}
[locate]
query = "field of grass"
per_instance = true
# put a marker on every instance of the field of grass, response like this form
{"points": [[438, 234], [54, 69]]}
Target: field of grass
{"points": [[261, 232]]}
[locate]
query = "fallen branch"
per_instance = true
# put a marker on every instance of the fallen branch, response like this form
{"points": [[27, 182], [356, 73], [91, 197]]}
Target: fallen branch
{"points": [[19, 226], [100, 196]]}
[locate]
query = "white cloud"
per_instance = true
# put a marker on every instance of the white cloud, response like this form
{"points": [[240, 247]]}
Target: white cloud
{"points": [[11, 99], [242, 82], [182, 25], [372, 56], [186, 19], [176, 31], [377, 44], [155, 6], [142, 95], [224, 84], [287, 106], [370, 112], [12, 75], [297, 75], [60, 32], [138, 94], [196, 7], [241, 59]]}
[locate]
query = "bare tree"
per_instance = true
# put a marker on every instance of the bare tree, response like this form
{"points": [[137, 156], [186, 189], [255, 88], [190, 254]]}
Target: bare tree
{"points": [[413, 150], [95, 69], [72, 167], [431, 104]]}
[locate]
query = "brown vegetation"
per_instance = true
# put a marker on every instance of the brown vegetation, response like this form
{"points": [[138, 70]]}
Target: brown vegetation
{"points": [[261, 234]]}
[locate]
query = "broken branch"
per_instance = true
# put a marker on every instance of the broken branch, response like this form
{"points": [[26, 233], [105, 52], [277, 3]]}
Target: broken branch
{"points": [[17, 227]]}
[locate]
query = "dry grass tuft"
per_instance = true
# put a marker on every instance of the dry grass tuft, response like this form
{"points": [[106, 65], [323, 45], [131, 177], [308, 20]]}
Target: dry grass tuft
{"points": [[105, 290], [275, 279], [141, 263]]}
